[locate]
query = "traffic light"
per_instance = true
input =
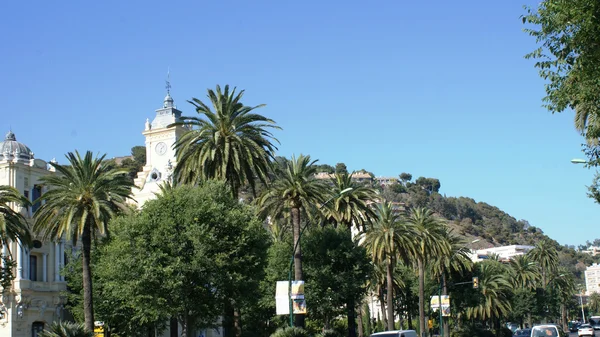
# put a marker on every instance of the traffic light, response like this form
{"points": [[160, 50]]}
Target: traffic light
{"points": [[475, 282]]}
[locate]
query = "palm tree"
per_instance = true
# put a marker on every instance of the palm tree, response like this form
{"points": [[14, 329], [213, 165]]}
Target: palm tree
{"points": [[495, 290], [13, 227], [430, 242], [594, 305], [231, 143], [389, 240], [524, 272], [455, 259], [545, 255], [295, 190], [81, 200], [351, 208], [66, 329]]}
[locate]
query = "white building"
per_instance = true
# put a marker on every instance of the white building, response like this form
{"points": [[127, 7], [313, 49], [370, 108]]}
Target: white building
{"points": [[35, 298], [592, 279], [160, 154], [504, 253], [160, 163]]}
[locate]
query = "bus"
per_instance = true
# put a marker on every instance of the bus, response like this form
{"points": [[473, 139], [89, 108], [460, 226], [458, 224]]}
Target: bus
{"points": [[595, 322]]}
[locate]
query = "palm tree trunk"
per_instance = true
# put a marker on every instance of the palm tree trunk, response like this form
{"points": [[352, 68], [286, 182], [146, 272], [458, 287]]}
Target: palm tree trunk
{"points": [[359, 313], [351, 309], [88, 306], [563, 311], [422, 327], [390, 296], [383, 304], [298, 319], [446, 321]]}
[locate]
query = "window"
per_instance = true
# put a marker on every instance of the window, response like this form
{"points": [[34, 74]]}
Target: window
{"points": [[36, 328], [37, 192], [33, 268]]}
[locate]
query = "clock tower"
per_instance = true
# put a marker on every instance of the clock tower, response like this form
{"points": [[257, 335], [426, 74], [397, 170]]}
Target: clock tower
{"points": [[160, 152]]}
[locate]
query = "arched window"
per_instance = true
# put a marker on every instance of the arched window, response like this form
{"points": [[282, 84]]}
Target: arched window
{"points": [[36, 328]]}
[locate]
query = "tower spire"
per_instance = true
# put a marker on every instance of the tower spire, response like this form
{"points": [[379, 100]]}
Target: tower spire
{"points": [[168, 103], [168, 86]]}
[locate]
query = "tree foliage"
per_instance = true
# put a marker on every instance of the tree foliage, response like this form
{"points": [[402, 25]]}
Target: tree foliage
{"points": [[184, 255], [568, 36]]}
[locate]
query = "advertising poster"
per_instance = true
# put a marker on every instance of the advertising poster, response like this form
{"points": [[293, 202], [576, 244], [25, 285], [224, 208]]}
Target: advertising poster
{"points": [[435, 304]]}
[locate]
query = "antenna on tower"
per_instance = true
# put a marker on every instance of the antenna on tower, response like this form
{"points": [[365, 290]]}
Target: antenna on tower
{"points": [[168, 86]]}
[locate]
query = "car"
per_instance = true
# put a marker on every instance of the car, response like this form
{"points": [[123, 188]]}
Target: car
{"points": [[574, 326], [522, 333], [396, 333], [585, 330], [546, 330]]}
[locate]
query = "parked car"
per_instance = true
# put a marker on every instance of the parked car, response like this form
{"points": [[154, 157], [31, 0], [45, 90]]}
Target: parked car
{"points": [[585, 330], [574, 326], [396, 333], [522, 333]]}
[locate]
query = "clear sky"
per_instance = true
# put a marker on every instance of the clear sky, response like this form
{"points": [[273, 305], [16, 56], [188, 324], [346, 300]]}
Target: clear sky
{"points": [[434, 88]]}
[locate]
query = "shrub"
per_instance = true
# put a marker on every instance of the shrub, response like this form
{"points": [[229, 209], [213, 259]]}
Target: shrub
{"points": [[66, 329], [329, 333], [290, 332]]}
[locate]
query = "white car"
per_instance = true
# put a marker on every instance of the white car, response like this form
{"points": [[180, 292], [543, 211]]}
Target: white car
{"points": [[548, 330], [585, 330]]}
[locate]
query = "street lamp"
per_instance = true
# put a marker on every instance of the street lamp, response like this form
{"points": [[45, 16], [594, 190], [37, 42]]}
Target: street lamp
{"points": [[294, 253], [578, 161]]}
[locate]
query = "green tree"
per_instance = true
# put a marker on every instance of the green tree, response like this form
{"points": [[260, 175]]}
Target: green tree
{"points": [[524, 272], [494, 292], [456, 259], [351, 208], [387, 241], [337, 270], [13, 227], [405, 177], [81, 200], [231, 143], [340, 168], [430, 242], [568, 35], [594, 303], [545, 255], [184, 256], [295, 189]]}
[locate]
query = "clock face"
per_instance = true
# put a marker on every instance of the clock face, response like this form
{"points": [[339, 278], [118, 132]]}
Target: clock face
{"points": [[161, 148]]}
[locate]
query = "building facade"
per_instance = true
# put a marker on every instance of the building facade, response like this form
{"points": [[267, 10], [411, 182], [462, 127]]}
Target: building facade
{"points": [[503, 253], [592, 279], [35, 298]]}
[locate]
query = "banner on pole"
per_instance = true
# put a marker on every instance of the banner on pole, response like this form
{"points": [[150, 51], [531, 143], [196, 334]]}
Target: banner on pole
{"points": [[435, 304], [282, 298]]}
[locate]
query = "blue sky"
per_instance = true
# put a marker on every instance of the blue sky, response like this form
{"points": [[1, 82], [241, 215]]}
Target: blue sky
{"points": [[436, 88]]}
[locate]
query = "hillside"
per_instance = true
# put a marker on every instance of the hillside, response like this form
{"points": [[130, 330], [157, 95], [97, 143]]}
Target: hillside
{"points": [[473, 220]]}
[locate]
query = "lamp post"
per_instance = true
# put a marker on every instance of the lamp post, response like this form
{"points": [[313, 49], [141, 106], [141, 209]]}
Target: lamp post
{"points": [[578, 161], [294, 253], [582, 311]]}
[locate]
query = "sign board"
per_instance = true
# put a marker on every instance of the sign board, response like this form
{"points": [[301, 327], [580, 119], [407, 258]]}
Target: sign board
{"points": [[282, 298], [435, 304]]}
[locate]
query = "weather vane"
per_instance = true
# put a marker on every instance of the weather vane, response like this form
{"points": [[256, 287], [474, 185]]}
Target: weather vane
{"points": [[168, 86]]}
